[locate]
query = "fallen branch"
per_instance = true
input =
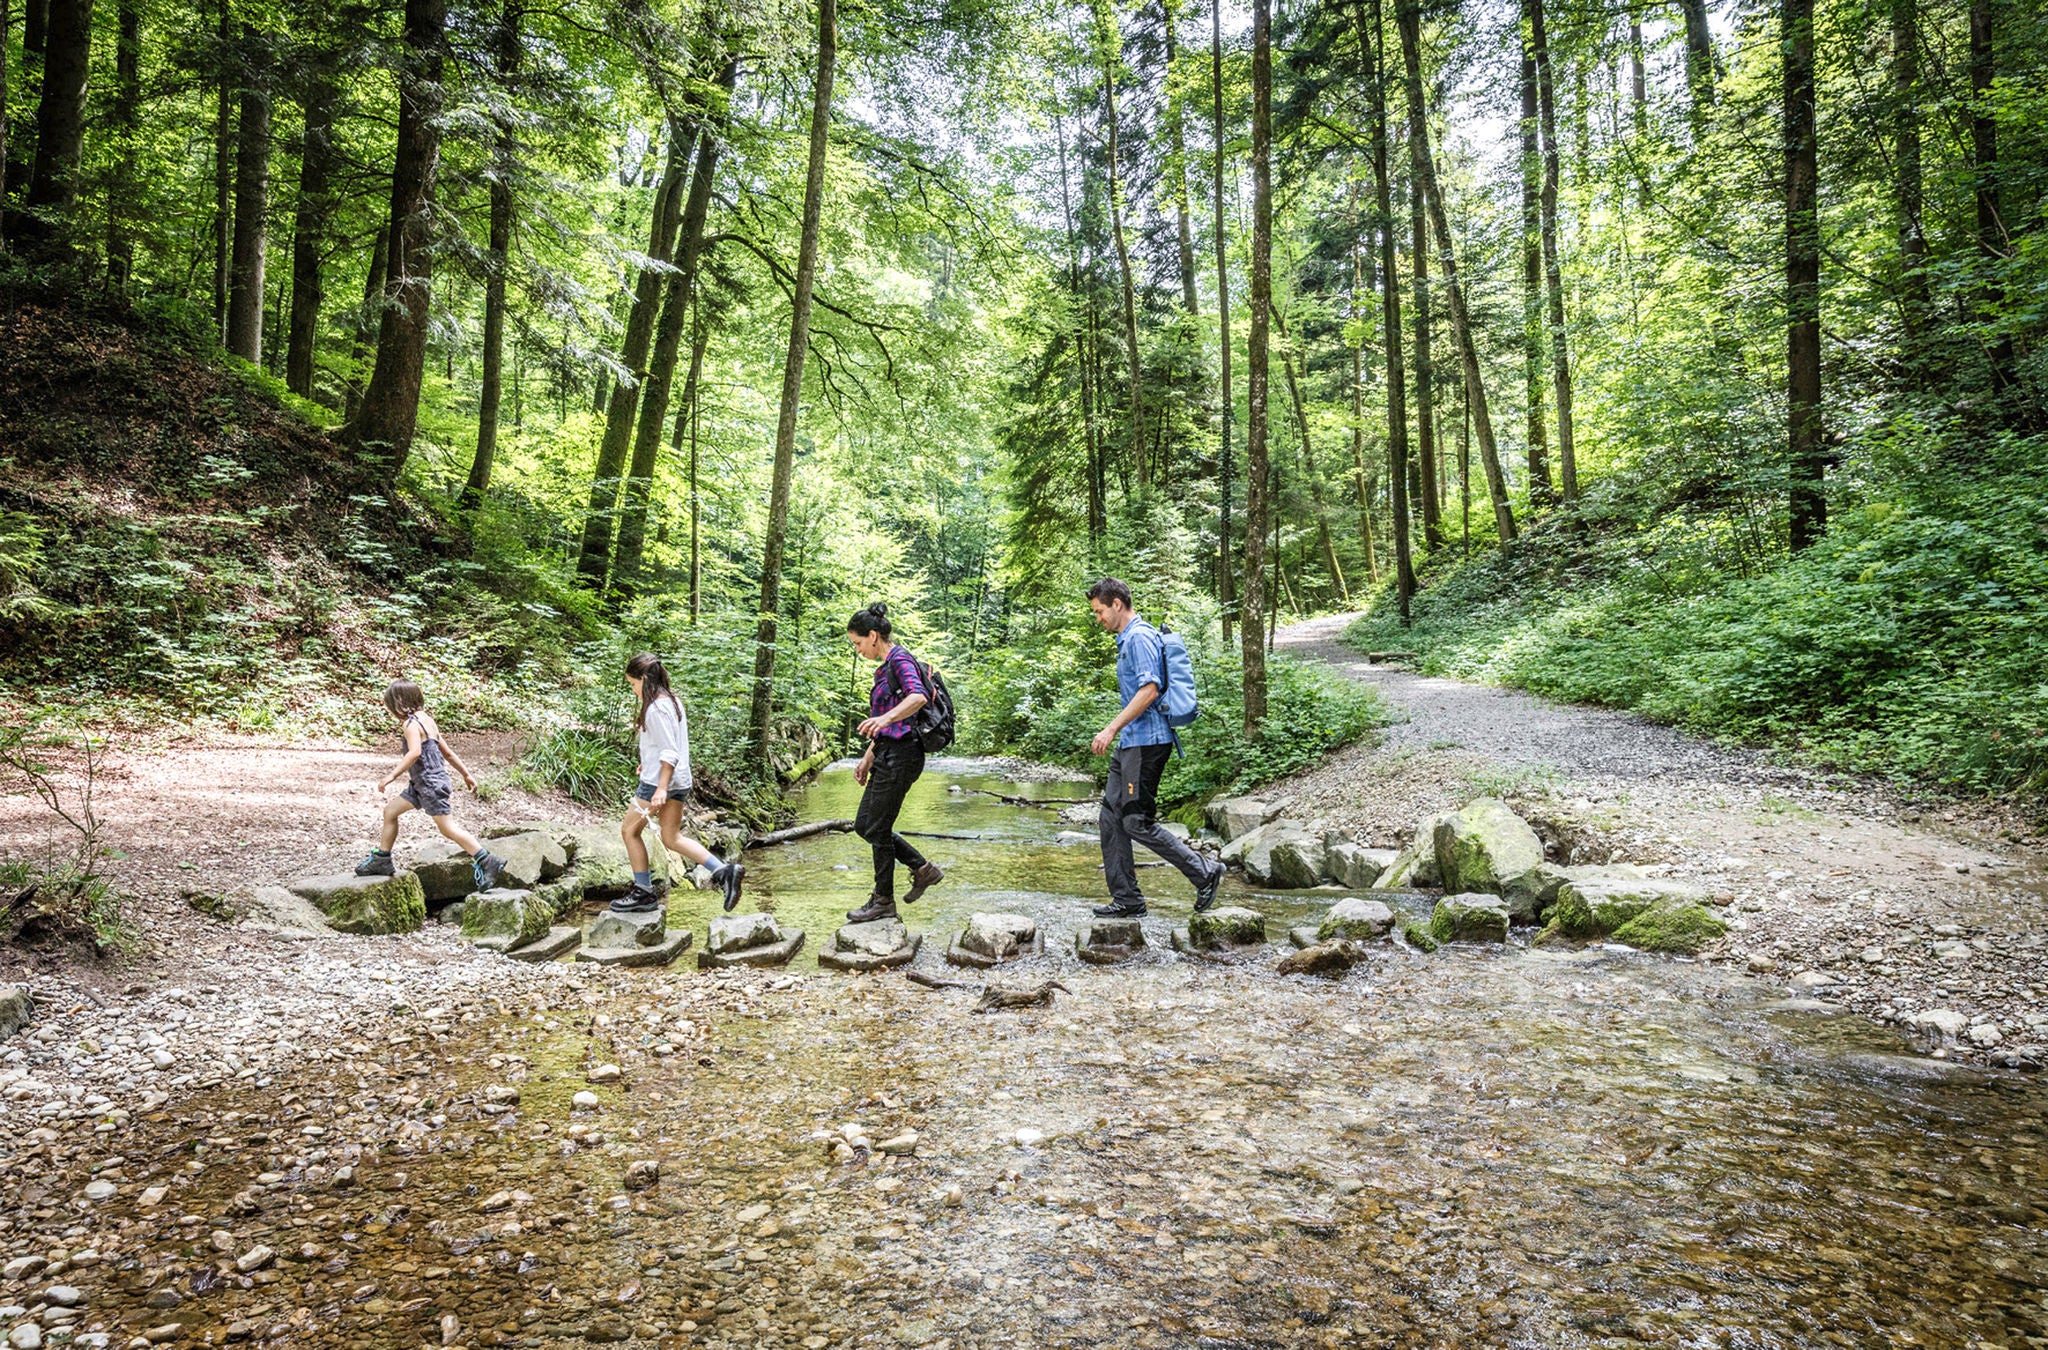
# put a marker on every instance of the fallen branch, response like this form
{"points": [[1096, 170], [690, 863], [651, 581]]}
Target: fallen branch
{"points": [[1046, 803], [803, 831], [934, 982]]}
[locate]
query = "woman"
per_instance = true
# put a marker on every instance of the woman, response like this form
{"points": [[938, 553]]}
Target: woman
{"points": [[664, 781], [894, 759]]}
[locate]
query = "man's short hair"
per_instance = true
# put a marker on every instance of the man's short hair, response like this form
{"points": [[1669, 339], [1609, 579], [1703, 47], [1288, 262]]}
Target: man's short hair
{"points": [[1110, 591]]}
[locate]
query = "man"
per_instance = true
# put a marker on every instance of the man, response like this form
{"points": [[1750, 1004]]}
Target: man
{"points": [[1143, 743]]}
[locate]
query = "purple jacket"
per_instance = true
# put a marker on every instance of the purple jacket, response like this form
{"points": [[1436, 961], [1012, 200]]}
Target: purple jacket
{"points": [[884, 696]]}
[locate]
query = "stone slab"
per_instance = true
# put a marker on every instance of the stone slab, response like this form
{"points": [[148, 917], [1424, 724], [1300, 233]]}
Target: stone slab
{"points": [[556, 942], [764, 957], [863, 961], [960, 955], [661, 954]]}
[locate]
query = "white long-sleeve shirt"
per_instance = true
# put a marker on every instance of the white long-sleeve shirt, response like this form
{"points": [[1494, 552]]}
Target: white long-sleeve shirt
{"points": [[665, 740]]}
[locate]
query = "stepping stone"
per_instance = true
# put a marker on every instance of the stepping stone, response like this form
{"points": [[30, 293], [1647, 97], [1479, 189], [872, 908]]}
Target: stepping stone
{"points": [[501, 919], [660, 954], [445, 871], [556, 942], [643, 928], [1221, 933], [1358, 919], [1108, 941], [1332, 958], [600, 860], [748, 940], [361, 905], [871, 946], [991, 939]]}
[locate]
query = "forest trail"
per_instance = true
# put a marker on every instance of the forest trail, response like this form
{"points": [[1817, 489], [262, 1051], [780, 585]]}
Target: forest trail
{"points": [[1854, 892]]}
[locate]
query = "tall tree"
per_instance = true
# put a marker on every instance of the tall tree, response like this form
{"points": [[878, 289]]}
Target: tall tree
{"points": [[1226, 578], [368, 317], [1808, 508], [389, 412], [1372, 566], [1372, 38], [497, 257], [759, 716], [1257, 376], [1540, 492], [677, 306], [1560, 358], [1700, 61], [313, 217], [1112, 57], [60, 123], [1177, 143], [1991, 232], [127, 136], [252, 200], [1914, 297], [1418, 253], [6, 27], [223, 164], [1289, 361], [595, 558], [1083, 359], [692, 388]]}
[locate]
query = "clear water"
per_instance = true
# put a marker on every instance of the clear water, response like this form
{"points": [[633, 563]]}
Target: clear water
{"points": [[1484, 1147]]}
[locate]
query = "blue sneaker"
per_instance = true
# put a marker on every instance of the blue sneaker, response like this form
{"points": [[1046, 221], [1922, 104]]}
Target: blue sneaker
{"points": [[378, 864], [485, 869]]}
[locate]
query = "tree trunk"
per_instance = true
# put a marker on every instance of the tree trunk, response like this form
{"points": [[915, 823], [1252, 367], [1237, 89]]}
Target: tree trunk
{"points": [[1560, 358], [1082, 359], [1372, 566], [1110, 59], [1808, 510], [1257, 470], [1461, 326], [594, 560], [677, 306], [1226, 578], [1425, 393], [1373, 42], [691, 388], [497, 262], [224, 168], [368, 317], [1913, 289], [309, 233], [1177, 143], [758, 719], [252, 202], [1540, 493], [1991, 231], [1699, 61], [1638, 85], [1288, 364], [127, 131], [391, 402], [60, 123]]}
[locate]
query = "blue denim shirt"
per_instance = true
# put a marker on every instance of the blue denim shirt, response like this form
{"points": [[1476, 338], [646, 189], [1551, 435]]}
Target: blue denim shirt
{"points": [[1141, 660]]}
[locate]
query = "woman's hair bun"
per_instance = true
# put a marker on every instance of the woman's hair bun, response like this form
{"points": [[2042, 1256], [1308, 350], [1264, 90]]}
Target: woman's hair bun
{"points": [[878, 609]]}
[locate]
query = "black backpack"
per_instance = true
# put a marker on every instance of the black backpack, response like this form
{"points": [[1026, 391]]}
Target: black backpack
{"points": [[933, 723]]}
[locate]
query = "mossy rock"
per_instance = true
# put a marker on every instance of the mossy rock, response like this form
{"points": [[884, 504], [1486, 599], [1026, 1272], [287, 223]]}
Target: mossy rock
{"points": [[1359, 920], [561, 896], [1596, 901], [1418, 937], [1672, 926], [1483, 846], [1230, 926], [514, 917], [1472, 917], [601, 863], [1415, 865], [365, 905]]}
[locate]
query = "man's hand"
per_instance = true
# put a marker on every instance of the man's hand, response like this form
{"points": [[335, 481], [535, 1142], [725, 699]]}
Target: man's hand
{"points": [[1100, 745], [864, 768]]}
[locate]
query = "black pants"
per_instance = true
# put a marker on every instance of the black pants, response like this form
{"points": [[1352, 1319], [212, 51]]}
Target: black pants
{"points": [[1128, 801], [897, 765]]}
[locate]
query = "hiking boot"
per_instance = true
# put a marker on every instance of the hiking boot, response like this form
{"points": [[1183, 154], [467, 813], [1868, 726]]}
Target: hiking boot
{"points": [[1114, 910], [877, 907], [485, 869], [922, 880], [729, 878], [638, 899], [1205, 894], [376, 865]]}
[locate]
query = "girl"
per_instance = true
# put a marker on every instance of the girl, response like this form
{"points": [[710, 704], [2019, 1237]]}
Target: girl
{"points": [[425, 765], [893, 762], [664, 779]]}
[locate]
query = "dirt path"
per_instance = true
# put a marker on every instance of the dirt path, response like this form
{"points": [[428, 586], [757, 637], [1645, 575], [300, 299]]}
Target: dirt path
{"points": [[1841, 887]]}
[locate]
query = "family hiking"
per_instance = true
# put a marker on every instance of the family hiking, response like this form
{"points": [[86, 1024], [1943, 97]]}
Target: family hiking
{"points": [[910, 716]]}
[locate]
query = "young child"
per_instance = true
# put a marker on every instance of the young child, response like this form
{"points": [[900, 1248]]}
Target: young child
{"points": [[425, 765], [664, 779]]}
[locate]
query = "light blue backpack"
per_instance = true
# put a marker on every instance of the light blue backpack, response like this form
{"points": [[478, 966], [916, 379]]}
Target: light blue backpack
{"points": [[1177, 691]]}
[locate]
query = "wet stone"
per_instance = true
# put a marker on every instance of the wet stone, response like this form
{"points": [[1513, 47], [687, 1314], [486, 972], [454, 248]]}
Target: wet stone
{"points": [[878, 945], [990, 939], [1360, 920], [1226, 927], [1107, 941], [1331, 958], [1471, 917], [613, 930]]}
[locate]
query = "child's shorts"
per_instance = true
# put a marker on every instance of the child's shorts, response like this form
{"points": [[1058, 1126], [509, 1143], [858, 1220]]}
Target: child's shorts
{"points": [[645, 792], [432, 798]]}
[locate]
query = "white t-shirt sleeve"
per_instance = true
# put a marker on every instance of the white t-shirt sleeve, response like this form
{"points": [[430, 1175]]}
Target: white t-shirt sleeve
{"points": [[665, 740]]}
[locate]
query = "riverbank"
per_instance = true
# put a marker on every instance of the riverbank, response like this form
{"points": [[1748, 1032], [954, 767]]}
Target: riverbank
{"points": [[1834, 887]]}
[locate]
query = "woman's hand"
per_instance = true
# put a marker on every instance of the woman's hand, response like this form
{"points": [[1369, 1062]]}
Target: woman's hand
{"points": [[660, 796], [864, 768], [872, 726]]}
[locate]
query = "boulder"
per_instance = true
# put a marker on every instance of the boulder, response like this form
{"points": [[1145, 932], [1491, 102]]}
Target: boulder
{"points": [[1595, 901], [1324, 958], [532, 857], [1295, 858], [1359, 920], [273, 909], [871, 946], [1534, 892], [643, 928], [1225, 927], [1106, 941], [563, 835], [600, 860], [445, 871], [998, 936], [513, 918], [355, 904], [738, 932], [560, 896], [1235, 816], [1415, 864], [1672, 925], [1483, 846], [557, 941], [1355, 866], [17, 1009], [1234, 851], [1474, 916]]}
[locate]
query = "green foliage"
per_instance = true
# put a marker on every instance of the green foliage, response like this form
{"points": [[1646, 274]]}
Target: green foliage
{"points": [[1910, 641], [593, 767]]}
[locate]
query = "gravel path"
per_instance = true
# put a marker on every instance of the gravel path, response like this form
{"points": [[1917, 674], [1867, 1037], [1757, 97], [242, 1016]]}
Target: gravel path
{"points": [[1846, 888]]}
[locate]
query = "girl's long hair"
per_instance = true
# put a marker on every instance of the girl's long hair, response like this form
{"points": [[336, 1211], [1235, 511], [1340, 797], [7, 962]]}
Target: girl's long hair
{"points": [[653, 676]]}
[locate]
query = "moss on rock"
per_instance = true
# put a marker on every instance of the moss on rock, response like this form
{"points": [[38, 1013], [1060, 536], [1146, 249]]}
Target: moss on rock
{"points": [[1672, 926]]}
